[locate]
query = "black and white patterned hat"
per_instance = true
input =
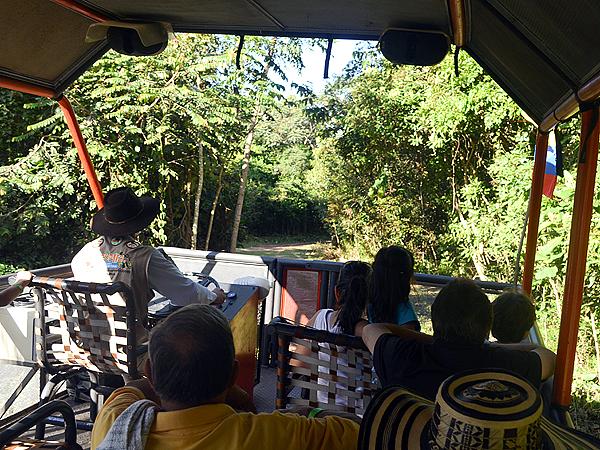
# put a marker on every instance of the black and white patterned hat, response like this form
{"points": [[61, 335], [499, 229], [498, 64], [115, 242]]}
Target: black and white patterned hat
{"points": [[483, 410]]}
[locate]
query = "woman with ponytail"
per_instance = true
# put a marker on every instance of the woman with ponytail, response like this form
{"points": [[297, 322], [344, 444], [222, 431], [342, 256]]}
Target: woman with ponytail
{"points": [[389, 302], [351, 293]]}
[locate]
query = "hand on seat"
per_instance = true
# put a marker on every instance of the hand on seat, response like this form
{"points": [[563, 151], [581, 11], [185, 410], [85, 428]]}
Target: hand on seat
{"points": [[24, 278]]}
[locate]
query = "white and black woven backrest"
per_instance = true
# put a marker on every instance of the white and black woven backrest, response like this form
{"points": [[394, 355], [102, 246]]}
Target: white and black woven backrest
{"points": [[334, 371], [90, 325]]}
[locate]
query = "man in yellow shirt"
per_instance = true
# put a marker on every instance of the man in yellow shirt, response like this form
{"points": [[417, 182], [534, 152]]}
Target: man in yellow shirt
{"points": [[191, 368]]}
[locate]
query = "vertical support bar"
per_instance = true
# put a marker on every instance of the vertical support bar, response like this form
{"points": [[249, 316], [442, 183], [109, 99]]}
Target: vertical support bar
{"points": [[323, 301], [458, 19], [333, 279], [578, 246], [84, 156], [535, 204], [280, 282], [283, 366]]}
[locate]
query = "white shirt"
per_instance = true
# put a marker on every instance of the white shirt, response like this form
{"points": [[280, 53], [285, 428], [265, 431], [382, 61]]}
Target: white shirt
{"points": [[323, 322]]}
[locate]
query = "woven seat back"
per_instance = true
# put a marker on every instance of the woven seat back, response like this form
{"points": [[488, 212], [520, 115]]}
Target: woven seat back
{"points": [[338, 366], [85, 324]]}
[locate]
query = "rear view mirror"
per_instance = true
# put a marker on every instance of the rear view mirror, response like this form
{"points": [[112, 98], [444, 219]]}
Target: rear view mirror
{"points": [[414, 47], [128, 42], [134, 39]]}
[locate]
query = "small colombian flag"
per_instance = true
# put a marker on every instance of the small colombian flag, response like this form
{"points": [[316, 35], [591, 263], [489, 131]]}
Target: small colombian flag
{"points": [[553, 165]]}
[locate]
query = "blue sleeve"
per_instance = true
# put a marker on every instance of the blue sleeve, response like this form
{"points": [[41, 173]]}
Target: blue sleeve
{"points": [[407, 314], [166, 278]]}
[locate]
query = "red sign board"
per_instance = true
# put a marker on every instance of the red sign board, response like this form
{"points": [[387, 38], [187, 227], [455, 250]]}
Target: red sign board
{"points": [[300, 297]]}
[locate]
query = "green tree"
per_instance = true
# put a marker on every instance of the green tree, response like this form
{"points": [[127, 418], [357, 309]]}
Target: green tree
{"points": [[266, 56], [144, 120], [399, 143]]}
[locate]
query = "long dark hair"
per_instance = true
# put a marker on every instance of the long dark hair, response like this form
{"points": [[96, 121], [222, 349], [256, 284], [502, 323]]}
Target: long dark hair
{"points": [[393, 270], [353, 291]]}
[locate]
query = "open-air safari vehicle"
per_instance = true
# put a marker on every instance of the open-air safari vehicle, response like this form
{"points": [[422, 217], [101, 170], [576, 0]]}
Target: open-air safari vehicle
{"points": [[545, 55]]}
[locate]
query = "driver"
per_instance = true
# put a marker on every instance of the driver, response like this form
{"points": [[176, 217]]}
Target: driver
{"points": [[117, 256]]}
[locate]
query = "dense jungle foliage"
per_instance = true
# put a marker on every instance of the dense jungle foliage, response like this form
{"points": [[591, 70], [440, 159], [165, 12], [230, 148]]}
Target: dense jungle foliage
{"points": [[415, 156]]}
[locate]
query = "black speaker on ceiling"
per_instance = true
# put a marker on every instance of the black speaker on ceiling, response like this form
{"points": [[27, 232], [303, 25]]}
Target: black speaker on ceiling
{"points": [[128, 42], [414, 47]]}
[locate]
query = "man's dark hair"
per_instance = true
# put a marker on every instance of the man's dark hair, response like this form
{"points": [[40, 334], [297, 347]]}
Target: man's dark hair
{"points": [[461, 313], [191, 355], [514, 315]]}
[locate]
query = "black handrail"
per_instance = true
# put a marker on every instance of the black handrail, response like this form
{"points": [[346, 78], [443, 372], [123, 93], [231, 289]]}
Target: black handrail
{"points": [[41, 414], [62, 270], [420, 278], [442, 280], [282, 326], [81, 287]]}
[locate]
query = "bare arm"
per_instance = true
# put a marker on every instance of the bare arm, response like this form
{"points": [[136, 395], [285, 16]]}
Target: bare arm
{"points": [[525, 347], [359, 327], [311, 322], [301, 349], [547, 357], [372, 332], [12, 292]]}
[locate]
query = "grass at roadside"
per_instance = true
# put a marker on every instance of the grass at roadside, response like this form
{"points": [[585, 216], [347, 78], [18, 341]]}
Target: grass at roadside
{"points": [[585, 408]]}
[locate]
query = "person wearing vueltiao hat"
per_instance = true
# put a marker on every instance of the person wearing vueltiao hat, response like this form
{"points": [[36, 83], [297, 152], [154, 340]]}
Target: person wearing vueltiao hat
{"points": [[481, 409]]}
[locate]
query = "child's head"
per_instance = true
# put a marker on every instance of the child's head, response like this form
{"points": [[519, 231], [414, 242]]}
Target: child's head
{"points": [[514, 315], [461, 313], [393, 270], [351, 291]]}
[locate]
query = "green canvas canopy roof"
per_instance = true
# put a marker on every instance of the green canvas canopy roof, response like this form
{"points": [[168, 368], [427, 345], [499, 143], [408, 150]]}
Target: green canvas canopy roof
{"points": [[545, 54]]}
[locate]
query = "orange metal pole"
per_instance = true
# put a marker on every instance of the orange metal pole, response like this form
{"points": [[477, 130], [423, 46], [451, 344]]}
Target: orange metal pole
{"points": [[578, 245], [26, 88], [535, 204], [81, 9], [84, 156], [457, 17]]}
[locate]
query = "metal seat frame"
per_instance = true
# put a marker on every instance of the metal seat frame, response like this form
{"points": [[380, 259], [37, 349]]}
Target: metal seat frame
{"points": [[10, 436], [83, 327]]}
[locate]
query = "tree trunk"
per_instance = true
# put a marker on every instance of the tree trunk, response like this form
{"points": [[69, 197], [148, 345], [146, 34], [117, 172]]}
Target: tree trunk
{"points": [[214, 207], [197, 199], [237, 217], [248, 151]]}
